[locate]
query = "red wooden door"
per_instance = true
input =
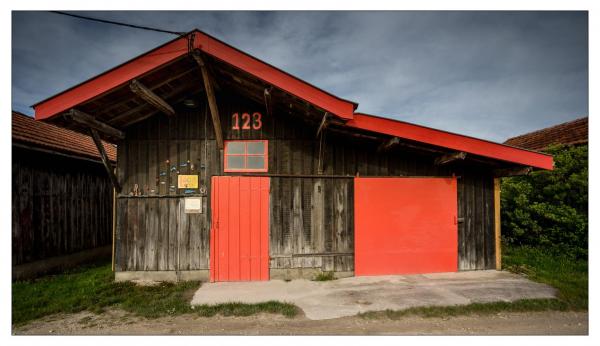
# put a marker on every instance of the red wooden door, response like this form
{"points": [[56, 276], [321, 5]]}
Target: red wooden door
{"points": [[239, 244], [405, 225]]}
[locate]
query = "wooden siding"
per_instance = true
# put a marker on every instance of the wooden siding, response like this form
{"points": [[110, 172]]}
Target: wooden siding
{"points": [[161, 236], [60, 206], [476, 235], [312, 225], [298, 226]]}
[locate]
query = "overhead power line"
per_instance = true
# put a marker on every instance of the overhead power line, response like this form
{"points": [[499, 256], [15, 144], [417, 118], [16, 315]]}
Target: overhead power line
{"points": [[119, 23]]}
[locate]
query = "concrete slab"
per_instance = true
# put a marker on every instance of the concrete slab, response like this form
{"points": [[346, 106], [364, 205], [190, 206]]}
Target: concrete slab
{"points": [[350, 296]]}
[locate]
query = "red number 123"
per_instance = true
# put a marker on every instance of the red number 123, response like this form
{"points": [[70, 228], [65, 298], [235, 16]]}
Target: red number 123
{"points": [[246, 119]]}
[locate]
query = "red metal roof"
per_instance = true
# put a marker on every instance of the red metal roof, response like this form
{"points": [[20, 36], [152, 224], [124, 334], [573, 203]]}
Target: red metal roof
{"points": [[569, 133], [27, 130], [451, 140], [173, 50], [270, 74]]}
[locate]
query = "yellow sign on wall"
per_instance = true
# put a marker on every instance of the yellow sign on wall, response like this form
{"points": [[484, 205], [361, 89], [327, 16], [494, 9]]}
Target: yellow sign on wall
{"points": [[187, 181]]}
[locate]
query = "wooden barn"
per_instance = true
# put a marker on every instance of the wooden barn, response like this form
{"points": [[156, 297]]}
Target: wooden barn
{"points": [[62, 199], [231, 169]]}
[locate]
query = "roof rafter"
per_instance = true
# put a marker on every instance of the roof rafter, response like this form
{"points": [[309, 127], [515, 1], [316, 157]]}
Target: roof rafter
{"points": [[149, 96]]}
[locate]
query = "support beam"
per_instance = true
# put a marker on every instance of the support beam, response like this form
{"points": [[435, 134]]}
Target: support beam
{"points": [[133, 116], [149, 96], [511, 172], [212, 101], [89, 121], [447, 158], [110, 109], [418, 147], [497, 227], [105, 161], [323, 124], [353, 134], [387, 145]]}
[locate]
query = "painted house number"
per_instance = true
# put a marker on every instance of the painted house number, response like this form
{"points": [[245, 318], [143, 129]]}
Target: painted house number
{"points": [[248, 122]]}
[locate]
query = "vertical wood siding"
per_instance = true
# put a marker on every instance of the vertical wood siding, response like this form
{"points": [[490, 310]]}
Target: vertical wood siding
{"points": [[476, 237], [59, 206], [313, 224], [308, 215]]}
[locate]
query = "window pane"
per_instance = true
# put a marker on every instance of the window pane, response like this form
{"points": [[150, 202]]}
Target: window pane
{"points": [[256, 162], [235, 147], [235, 162], [256, 147]]}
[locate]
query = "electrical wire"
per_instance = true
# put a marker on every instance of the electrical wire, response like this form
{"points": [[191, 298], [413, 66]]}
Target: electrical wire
{"points": [[120, 23]]}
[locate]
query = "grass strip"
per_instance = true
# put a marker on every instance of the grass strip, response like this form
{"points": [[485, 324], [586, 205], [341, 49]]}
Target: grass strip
{"points": [[566, 273], [524, 305], [92, 288], [569, 275]]}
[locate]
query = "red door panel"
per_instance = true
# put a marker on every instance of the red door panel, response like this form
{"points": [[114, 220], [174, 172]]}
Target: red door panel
{"points": [[239, 246], [405, 225]]}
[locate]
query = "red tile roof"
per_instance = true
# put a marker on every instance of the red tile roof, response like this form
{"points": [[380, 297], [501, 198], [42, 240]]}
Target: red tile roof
{"points": [[569, 133], [27, 130]]}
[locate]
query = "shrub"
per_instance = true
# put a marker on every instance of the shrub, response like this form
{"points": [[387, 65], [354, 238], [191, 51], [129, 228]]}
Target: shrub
{"points": [[550, 208], [324, 276]]}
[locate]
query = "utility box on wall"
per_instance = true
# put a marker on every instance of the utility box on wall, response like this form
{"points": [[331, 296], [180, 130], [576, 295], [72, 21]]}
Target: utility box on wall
{"points": [[193, 205]]}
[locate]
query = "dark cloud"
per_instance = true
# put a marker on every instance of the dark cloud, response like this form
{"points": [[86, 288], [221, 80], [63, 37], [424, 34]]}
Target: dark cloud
{"points": [[487, 74]]}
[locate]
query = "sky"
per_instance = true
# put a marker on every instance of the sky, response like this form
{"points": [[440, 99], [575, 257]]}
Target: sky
{"points": [[491, 75]]}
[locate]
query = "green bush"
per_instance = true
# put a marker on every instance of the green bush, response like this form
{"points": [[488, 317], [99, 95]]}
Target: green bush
{"points": [[550, 208], [324, 276]]}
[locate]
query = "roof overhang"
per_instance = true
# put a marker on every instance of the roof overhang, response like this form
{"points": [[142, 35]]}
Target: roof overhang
{"points": [[450, 140], [177, 48]]}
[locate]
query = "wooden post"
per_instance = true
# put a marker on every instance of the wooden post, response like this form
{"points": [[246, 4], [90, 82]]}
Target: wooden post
{"points": [[497, 223], [114, 226], [107, 165], [212, 101], [222, 164]]}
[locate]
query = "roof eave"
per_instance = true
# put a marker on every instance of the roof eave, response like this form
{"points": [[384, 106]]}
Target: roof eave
{"points": [[453, 141]]}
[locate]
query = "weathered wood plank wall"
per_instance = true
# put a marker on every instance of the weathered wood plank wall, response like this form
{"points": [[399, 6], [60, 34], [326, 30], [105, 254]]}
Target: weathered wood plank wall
{"points": [[162, 145], [476, 237], [160, 236], [313, 224], [60, 206]]}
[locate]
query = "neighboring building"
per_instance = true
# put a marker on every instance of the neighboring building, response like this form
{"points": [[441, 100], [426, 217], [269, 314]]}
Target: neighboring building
{"points": [[61, 197], [231, 169], [570, 133]]}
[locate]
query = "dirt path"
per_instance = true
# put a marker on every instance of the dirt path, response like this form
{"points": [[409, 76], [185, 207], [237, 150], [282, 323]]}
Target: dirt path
{"points": [[120, 322]]}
